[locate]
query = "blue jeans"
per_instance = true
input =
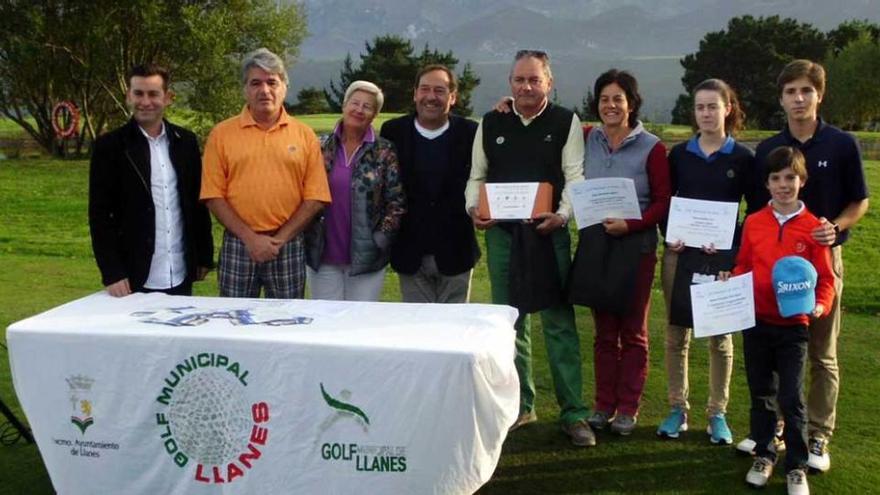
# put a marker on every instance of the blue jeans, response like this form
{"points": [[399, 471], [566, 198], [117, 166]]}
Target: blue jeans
{"points": [[783, 349]]}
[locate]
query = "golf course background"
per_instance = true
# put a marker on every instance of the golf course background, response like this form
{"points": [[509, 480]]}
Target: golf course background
{"points": [[46, 260]]}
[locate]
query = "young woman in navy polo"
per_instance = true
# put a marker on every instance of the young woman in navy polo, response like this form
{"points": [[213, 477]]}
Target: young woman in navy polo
{"points": [[709, 166]]}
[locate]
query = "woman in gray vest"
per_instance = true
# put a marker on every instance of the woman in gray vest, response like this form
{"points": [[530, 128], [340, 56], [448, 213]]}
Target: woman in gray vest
{"points": [[348, 246], [621, 147]]}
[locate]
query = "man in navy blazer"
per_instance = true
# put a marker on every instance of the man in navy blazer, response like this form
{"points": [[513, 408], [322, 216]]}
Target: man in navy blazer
{"points": [[436, 248], [149, 231]]}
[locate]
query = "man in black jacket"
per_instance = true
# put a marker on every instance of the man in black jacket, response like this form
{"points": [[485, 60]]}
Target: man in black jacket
{"points": [[149, 231], [436, 248]]}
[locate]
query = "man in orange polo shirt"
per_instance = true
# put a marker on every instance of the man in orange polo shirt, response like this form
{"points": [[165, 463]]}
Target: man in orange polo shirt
{"points": [[263, 178]]}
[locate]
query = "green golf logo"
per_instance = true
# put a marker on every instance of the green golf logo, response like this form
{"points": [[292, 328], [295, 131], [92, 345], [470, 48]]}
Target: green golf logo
{"points": [[366, 458], [343, 406]]}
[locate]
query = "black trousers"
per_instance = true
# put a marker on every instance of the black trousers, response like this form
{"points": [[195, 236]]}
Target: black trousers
{"points": [[184, 289], [783, 349]]}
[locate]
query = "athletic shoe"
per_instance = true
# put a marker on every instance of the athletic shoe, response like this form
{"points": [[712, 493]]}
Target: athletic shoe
{"points": [[580, 434], [599, 420], [819, 460], [779, 444], [523, 419], [623, 424], [675, 423], [796, 480], [747, 446], [719, 432], [760, 472]]}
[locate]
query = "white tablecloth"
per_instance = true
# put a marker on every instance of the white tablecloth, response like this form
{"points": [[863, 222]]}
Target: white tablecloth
{"points": [[156, 394]]}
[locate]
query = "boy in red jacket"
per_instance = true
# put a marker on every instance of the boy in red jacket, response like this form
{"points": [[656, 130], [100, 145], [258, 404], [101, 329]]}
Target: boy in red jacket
{"points": [[778, 342]]}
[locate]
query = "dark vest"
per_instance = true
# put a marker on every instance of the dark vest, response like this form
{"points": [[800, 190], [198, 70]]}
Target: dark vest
{"points": [[532, 153], [431, 158]]}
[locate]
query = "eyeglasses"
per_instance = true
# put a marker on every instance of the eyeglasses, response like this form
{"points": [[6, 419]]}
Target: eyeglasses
{"points": [[539, 54]]}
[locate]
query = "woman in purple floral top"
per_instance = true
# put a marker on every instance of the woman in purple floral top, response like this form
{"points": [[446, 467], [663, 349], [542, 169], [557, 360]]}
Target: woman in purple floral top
{"points": [[347, 248]]}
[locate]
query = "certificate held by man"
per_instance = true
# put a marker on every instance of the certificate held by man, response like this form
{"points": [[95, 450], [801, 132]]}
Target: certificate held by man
{"points": [[699, 223], [594, 200], [514, 200], [723, 307]]}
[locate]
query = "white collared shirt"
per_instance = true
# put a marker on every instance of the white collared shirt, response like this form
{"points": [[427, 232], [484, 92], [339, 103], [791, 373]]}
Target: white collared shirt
{"points": [[782, 217], [167, 268]]}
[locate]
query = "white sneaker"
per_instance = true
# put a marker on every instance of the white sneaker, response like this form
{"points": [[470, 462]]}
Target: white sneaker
{"points": [[796, 480], [819, 459], [760, 472], [746, 446]]}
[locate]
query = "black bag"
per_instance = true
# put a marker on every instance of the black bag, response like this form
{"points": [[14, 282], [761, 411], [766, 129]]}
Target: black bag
{"points": [[533, 276], [603, 273], [691, 261]]}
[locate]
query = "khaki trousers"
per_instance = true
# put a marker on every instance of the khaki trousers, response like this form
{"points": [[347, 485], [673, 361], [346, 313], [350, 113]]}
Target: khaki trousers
{"points": [[822, 357], [677, 345]]}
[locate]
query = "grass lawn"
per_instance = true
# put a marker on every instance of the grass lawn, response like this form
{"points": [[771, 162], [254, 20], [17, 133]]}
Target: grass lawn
{"points": [[45, 260]]}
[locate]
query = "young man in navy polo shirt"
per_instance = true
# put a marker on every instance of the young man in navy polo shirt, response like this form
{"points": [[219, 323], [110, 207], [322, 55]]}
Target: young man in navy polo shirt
{"points": [[838, 195]]}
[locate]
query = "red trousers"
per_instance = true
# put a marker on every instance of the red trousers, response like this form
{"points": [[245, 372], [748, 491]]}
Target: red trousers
{"points": [[620, 350]]}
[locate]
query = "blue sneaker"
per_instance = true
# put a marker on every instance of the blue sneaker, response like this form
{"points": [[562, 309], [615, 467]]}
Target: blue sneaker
{"points": [[719, 432], [675, 423]]}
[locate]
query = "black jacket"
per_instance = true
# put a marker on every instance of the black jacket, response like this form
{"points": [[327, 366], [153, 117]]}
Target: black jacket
{"points": [[457, 251], [121, 211]]}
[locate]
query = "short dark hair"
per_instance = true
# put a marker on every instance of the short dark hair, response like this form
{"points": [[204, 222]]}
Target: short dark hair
{"points": [[151, 69], [735, 120], [799, 68], [453, 81], [783, 157], [629, 85]]}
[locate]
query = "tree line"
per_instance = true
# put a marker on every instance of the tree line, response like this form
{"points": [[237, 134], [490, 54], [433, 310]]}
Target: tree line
{"points": [[80, 50], [391, 62], [752, 51]]}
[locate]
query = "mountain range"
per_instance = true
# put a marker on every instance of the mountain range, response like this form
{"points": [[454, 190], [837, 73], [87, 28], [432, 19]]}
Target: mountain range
{"points": [[584, 37]]}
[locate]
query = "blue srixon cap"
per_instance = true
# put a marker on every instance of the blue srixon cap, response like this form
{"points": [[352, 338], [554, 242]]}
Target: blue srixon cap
{"points": [[794, 281]]}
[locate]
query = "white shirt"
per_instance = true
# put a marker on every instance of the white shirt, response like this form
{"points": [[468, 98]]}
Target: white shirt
{"points": [[431, 134], [782, 217], [167, 268]]}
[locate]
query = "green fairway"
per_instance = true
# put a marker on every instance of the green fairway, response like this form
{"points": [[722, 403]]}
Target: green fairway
{"points": [[45, 260], [323, 123]]}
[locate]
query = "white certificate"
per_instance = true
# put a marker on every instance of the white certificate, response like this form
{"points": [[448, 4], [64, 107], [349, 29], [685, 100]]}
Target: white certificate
{"points": [[723, 307], [594, 200], [700, 223], [511, 200]]}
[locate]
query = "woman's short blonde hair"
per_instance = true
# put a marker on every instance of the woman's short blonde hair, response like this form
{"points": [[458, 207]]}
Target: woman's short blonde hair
{"points": [[366, 87]]}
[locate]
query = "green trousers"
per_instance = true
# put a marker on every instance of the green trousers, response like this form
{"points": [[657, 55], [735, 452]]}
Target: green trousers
{"points": [[560, 332]]}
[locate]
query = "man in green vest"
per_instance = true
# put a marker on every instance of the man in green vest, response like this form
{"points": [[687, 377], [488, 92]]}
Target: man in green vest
{"points": [[536, 142]]}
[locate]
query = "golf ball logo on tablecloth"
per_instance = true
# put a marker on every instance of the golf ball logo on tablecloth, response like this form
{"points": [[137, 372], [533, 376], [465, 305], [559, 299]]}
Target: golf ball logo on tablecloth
{"points": [[207, 416]]}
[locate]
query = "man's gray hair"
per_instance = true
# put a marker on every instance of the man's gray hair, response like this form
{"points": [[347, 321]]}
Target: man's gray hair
{"points": [[264, 59], [539, 55]]}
